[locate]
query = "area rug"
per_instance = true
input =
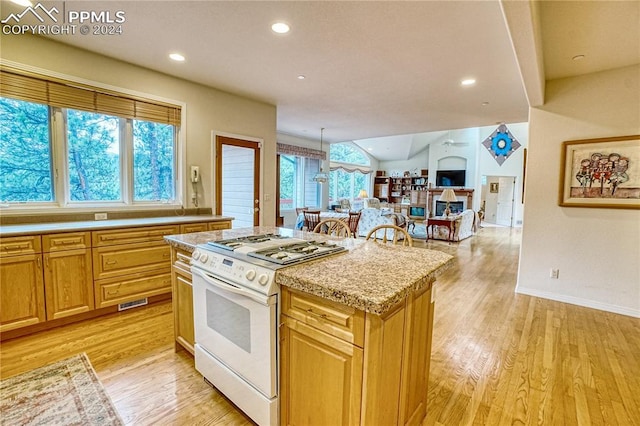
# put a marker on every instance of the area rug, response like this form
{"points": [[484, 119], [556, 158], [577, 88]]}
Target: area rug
{"points": [[67, 392]]}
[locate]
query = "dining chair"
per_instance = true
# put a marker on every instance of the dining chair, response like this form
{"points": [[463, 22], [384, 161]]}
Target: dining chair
{"points": [[387, 229], [311, 219], [353, 220], [300, 210], [335, 227]]}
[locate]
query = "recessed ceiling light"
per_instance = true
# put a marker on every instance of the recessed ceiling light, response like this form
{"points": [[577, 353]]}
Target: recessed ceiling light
{"points": [[176, 57], [369, 149], [301, 77], [280, 28], [578, 57], [25, 3], [468, 82], [485, 103]]}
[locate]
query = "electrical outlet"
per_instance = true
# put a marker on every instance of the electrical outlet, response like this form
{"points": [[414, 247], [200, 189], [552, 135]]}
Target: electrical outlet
{"points": [[100, 216], [555, 273]]}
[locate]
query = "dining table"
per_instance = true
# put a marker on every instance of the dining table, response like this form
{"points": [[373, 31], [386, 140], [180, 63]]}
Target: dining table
{"points": [[323, 215]]}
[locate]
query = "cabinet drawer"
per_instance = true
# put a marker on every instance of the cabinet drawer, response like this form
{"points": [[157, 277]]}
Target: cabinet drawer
{"points": [[339, 320], [193, 227], [11, 246], [133, 235], [131, 259], [114, 291], [66, 241], [182, 260], [223, 224]]}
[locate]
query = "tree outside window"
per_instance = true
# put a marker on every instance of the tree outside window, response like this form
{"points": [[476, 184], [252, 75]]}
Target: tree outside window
{"points": [[347, 176]]}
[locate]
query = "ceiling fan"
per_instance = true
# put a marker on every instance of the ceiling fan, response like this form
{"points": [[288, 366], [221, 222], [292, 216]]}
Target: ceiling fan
{"points": [[450, 142]]}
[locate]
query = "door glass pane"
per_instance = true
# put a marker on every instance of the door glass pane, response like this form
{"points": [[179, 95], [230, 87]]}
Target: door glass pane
{"points": [[238, 185], [153, 161], [93, 156], [25, 152], [287, 182]]}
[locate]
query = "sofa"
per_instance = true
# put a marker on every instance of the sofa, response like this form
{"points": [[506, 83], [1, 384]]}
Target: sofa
{"points": [[372, 217], [464, 228]]}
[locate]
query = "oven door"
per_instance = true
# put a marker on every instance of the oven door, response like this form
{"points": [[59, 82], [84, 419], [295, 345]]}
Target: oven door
{"points": [[237, 326]]}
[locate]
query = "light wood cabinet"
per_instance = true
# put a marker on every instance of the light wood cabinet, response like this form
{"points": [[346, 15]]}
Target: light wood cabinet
{"points": [[182, 299], [21, 283], [182, 289], [131, 264], [68, 276], [384, 382]]}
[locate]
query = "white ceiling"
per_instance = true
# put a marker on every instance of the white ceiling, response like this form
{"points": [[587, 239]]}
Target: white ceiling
{"points": [[373, 69]]}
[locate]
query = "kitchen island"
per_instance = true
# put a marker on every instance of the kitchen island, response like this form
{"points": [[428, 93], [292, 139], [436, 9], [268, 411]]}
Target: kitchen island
{"points": [[355, 333]]}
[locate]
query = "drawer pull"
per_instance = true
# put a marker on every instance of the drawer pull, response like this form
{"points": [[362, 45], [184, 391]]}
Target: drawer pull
{"points": [[111, 262], [112, 293], [16, 246], [69, 242], [166, 255], [310, 311]]}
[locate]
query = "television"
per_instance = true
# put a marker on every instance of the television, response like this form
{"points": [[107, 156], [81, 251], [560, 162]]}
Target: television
{"points": [[451, 177]]}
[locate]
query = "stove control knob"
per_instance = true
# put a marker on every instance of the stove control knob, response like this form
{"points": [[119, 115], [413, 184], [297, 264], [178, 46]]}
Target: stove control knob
{"points": [[204, 257], [250, 274], [196, 255], [263, 279]]}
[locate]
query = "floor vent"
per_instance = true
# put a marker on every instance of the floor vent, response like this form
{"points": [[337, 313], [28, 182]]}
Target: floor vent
{"points": [[132, 304]]}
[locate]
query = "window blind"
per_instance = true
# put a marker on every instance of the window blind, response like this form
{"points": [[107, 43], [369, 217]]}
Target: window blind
{"points": [[67, 94]]}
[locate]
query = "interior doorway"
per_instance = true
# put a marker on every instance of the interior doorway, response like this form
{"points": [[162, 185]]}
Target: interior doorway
{"points": [[498, 195], [237, 186]]}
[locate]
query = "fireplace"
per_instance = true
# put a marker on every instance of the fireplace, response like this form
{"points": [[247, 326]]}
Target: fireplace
{"points": [[455, 207], [465, 196]]}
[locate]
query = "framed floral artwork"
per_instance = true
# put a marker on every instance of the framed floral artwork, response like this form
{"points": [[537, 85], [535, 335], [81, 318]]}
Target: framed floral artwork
{"points": [[602, 173]]}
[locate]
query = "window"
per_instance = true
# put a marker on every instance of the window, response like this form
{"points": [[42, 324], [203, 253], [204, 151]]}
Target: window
{"points": [[93, 156], [110, 149], [25, 152], [297, 187], [349, 172]]}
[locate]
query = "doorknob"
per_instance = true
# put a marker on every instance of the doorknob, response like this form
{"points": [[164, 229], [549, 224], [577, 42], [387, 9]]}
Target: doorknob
{"points": [[257, 201], [256, 210]]}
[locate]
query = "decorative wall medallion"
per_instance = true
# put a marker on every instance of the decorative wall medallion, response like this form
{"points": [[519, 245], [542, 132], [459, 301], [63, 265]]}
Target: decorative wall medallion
{"points": [[501, 144]]}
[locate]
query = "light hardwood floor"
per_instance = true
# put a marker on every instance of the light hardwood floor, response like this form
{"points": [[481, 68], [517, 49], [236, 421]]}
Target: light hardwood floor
{"points": [[498, 357]]}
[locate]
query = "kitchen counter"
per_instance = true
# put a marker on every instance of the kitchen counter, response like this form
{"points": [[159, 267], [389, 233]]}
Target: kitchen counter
{"points": [[371, 277], [55, 227]]}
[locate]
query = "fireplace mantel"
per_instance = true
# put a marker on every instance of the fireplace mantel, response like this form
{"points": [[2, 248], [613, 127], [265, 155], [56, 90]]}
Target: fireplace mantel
{"points": [[460, 192]]}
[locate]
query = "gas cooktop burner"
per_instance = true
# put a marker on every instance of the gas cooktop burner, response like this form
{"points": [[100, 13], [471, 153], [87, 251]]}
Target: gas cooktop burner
{"points": [[297, 252], [234, 243]]}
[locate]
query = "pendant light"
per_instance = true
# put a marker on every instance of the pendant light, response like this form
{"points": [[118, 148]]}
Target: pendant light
{"points": [[321, 177]]}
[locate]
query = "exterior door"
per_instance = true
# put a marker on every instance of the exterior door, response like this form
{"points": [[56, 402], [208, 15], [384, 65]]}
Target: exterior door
{"points": [[504, 213], [237, 180]]}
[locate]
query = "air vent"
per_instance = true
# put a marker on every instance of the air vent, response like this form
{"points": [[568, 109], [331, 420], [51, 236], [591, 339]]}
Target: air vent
{"points": [[132, 304]]}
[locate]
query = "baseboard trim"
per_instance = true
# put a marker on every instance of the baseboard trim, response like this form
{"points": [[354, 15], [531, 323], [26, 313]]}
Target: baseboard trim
{"points": [[580, 302]]}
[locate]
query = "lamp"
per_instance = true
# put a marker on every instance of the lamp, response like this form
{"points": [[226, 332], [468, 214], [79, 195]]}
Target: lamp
{"points": [[449, 196], [321, 177], [363, 194]]}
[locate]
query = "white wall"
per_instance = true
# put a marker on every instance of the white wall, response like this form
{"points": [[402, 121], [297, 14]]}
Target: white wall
{"points": [[513, 166], [596, 250], [207, 109], [417, 162]]}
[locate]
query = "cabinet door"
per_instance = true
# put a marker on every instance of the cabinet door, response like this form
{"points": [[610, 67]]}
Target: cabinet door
{"points": [[21, 291], [417, 354], [222, 224], [321, 377], [183, 309], [68, 283]]}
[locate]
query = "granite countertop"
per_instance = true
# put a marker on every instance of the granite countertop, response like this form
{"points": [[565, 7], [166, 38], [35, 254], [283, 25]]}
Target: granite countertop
{"points": [[51, 227], [370, 276]]}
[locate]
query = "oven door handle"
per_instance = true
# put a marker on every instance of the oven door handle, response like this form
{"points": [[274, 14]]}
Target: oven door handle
{"points": [[226, 286]]}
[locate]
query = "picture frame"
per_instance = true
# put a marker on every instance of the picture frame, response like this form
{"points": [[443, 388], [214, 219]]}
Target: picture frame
{"points": [[493, 187], [600, 173]]}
